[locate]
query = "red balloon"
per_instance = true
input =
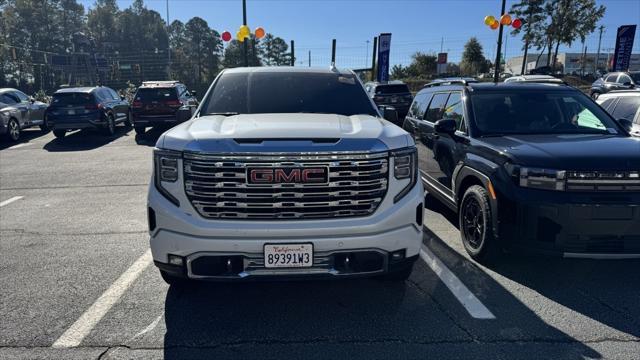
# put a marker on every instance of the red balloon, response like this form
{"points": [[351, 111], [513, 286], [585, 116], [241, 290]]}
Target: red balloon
{"points": [[517, 23], [226, 36]]}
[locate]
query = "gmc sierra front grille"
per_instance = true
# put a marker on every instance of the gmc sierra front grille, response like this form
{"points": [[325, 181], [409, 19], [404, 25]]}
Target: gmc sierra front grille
{"points": [[218, 186]]}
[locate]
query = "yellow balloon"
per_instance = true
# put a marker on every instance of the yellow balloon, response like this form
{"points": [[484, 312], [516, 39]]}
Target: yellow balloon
{"points": [[505, 19], [245, 31], [488, 20], [239, 36]]}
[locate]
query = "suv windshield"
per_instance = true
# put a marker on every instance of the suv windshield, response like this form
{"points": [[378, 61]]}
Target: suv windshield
{"points": [[156, 94], [282, 92], [65, 99], [539, 113], [392, 89]]}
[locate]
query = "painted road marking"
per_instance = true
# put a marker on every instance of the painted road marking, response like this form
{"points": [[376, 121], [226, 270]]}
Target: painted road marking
{"points": [[81, 328], [18, 146], [9, 201], [474, 307]]}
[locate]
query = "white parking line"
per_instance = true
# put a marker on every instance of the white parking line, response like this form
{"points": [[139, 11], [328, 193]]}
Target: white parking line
{"points": [[81, 328], [474, 307], [19, 146], [9, 201]]}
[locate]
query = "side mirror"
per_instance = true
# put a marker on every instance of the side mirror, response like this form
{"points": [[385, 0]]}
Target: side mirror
{"points": [[445, 126], [626, 124], [390, 113], [32, 99], [193, 93]]}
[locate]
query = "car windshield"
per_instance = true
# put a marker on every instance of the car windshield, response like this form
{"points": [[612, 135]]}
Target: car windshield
{"points": [[156, 94], [539, 113], [288, 92], [65, 99], [392, 89]]}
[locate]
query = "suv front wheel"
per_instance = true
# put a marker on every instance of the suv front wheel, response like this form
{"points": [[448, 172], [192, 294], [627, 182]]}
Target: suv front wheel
{"points": [[475, 225]]}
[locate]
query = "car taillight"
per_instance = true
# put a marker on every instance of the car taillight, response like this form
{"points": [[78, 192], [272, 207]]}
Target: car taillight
{"points": [[136, 104], [93, 106], [173, 103]]}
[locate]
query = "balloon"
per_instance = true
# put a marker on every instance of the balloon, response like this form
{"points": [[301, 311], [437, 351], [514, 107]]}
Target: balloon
{"points": [[494, 25], [259, 33], [239, 37], [244, 31], [505, 19], [226, 36], [488, 20], [517, 23]]}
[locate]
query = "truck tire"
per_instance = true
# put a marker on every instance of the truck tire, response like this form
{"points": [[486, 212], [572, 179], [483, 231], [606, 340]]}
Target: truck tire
{"points": [[139, 130], [59, 133], [476, 229]]}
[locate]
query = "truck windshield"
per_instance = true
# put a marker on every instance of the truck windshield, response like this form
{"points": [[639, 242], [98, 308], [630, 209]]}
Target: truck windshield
{"points": [[288, 92], [539, 113]]}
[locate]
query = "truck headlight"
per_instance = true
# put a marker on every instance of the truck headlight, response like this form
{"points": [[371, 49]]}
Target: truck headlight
{"points": [[544, 179], [404, 167], [166, 171]]}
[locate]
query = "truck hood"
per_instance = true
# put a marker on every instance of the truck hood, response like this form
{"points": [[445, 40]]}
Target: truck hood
{"points": [[285, 133], [570, 152]]}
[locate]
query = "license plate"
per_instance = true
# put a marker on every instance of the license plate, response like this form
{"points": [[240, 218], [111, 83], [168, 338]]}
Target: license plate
{"points": [[288, 255], [71, 112], [394, 100]]}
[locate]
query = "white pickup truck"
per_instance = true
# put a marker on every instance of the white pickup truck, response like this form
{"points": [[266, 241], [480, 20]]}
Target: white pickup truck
{"points": [[285, 173]]}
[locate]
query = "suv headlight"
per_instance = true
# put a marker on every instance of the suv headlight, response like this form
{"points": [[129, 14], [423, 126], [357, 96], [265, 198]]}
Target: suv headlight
{"points": [[538, 178], [405, 167], [166, 171]]}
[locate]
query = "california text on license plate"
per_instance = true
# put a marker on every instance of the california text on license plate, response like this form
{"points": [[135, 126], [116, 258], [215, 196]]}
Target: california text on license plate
{"points": [[288, 255]]}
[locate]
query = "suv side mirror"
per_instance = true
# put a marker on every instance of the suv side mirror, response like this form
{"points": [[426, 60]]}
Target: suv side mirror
{"points": [[445, 126], [390, 113], [626, 124]]}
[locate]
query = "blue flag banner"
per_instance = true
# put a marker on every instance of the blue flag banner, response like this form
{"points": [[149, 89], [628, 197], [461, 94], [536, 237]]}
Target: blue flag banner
{"points": [[624, 45], [384, 47]]}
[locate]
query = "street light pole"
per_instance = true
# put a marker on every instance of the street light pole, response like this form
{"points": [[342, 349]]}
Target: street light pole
{"points": [[244, 22], [496, 66]]}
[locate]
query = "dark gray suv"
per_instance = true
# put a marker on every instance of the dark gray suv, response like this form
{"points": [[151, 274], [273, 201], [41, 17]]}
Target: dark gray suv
{"points": [[615, 81]]}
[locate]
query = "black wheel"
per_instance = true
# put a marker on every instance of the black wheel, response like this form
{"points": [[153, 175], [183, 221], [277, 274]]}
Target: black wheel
{"points": [[398, 275], [13, 130], [44, 127], [139, 130], [594, 95], [173, 280], [476, 225], [110, 129], [59, 133], [127, 121]]}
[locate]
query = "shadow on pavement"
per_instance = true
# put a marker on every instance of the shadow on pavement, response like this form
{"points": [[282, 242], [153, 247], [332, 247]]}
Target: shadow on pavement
{"points": [[150, 137], [85, 140], [25, 136]]}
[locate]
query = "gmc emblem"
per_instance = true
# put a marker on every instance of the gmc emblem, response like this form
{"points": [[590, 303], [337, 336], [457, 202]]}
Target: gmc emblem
{"points": [[290, 175]]}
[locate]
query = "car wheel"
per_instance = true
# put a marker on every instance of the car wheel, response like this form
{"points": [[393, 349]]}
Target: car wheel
{"points": [[595, 95], [173, 280], [44, 127], [59, 133], [398, 275], [13, 130], [110, 129], [476, 228], [128, 122], [139, 130]]}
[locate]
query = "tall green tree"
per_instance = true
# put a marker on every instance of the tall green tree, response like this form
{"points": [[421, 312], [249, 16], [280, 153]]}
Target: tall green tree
{"points": [[102, 23], [234, 53], [532, 14], [203, 46], [422, 65], [473, 60], [274, 51]]}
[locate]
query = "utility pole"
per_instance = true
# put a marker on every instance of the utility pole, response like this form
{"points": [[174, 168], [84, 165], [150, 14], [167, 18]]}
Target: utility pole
{"points": [[293, 53], [367, 54], [333, 53], [601, 28], [442, 44], [496, 66], [309, 58], [244, 22], [168, 46]]}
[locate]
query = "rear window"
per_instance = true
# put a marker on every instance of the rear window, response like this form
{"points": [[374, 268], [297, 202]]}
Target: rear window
{"points": [[283, 92], [156, 94], [66, 99], [392, 89]]}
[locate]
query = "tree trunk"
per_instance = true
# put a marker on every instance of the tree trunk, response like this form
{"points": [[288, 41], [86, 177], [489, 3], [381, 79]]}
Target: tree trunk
{"points": [[555, 55], [524, 57]]}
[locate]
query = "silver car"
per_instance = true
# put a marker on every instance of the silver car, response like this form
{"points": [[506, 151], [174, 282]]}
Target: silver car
{"points": [[19, 111]]}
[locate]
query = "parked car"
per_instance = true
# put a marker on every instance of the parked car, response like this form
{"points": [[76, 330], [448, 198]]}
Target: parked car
{"points": [[394, 93], [19, 111], [534, 78], [285, 172], [615, 81], [529, 166], [162, 103], [87, 108], [624, 106]]}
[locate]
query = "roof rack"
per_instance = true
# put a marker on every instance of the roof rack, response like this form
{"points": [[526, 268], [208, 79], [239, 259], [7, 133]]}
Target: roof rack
{"points": [[443, 82]]}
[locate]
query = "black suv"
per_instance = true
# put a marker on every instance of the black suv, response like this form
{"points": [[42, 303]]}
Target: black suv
{"points": [[395, 94], [526, 165], [86, 108], [162, 103], [615, 81]]}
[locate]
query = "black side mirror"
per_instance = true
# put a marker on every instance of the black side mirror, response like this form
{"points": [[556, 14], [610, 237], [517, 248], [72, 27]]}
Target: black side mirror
{"points": [[626, 124], [445, 126], [390, 113]]}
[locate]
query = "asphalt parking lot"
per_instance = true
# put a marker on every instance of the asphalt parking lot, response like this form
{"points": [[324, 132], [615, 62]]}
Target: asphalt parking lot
{"points": [[77, 283]]}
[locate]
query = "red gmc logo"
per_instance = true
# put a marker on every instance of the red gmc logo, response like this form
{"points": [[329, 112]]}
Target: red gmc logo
{"points": [[287, 175]]}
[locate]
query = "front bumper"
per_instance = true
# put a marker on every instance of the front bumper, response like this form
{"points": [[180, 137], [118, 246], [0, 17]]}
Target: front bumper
{"points": [[182, 232], [571, 224]]}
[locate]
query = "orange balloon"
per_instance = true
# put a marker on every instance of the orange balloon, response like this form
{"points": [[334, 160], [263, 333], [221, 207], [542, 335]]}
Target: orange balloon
{"points": [[259, 33], [494, 25], [505, 19]]}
